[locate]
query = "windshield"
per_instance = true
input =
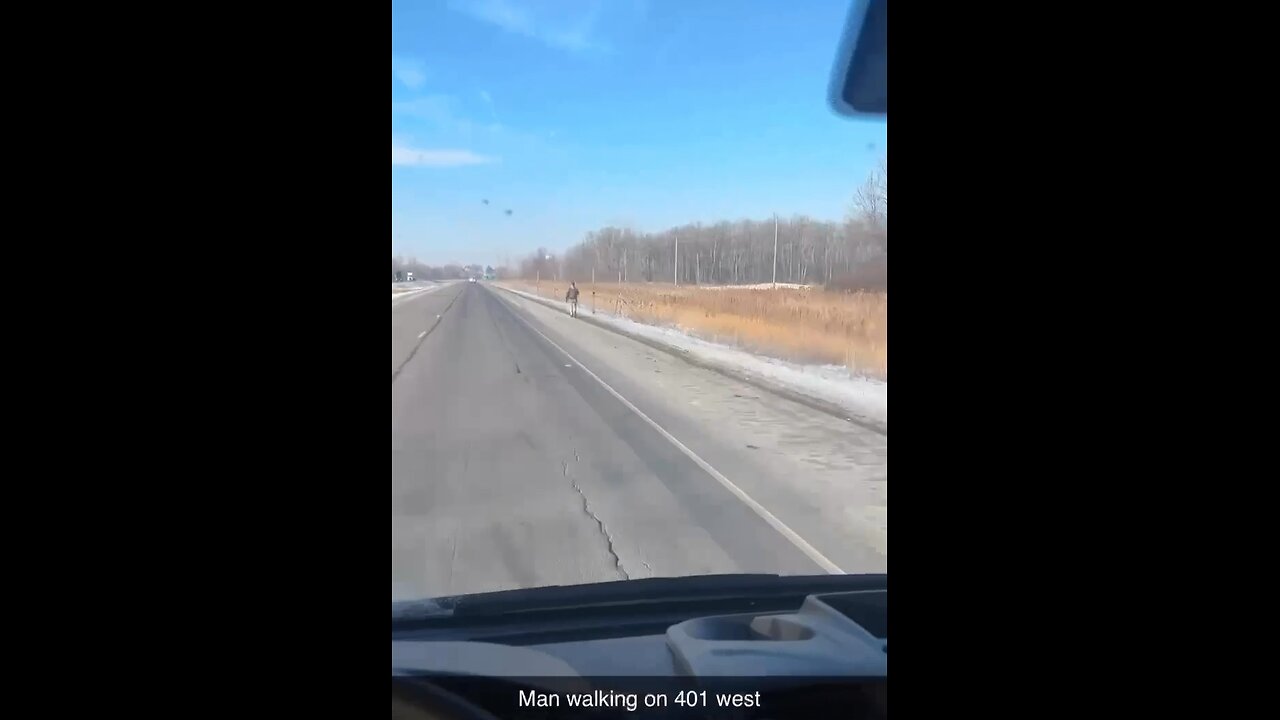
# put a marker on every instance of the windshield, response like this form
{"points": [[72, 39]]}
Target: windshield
{"points": [[639, 296]]}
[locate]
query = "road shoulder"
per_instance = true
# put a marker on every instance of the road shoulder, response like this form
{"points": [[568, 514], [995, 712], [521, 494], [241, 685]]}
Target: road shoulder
{"points": [[802, 389]]}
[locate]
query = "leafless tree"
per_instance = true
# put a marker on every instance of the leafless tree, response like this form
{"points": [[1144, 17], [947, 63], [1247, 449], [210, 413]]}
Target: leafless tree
{"points": [[848, 254], [870, 211]]}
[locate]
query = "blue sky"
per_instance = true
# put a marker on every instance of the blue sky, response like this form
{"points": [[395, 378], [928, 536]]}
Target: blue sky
{"points": [[576, 114]]}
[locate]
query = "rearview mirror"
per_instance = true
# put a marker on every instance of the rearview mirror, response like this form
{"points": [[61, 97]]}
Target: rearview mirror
{"points": [[860, 81]]}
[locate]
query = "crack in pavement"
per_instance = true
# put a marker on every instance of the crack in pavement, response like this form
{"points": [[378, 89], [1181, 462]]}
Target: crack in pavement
{"points": [[586, 508], [453, 560]]}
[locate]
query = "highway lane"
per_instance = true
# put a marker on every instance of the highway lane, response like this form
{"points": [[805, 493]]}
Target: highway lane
{"points": [[413, 316], [512, 467]]}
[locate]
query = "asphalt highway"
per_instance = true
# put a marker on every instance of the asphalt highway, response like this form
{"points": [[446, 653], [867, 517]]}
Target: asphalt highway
{"points": [[516, 462]]}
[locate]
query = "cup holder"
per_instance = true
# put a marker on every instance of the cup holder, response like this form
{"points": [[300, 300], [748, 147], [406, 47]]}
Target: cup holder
{"points": [[747, 628]]}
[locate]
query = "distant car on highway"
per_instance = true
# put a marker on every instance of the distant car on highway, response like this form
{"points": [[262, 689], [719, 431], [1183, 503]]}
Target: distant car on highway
{"points": [[471, 279]]}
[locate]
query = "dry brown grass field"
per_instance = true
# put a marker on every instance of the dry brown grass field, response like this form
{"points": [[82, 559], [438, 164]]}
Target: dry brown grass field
{"points": [[808, 325]]}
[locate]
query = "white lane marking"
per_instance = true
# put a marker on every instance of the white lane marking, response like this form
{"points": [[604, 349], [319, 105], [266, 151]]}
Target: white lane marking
{"points": [[424, 332], [738, 492]]}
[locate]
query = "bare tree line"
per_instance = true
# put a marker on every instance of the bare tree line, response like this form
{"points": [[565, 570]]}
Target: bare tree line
{"points": [[848, 254]]}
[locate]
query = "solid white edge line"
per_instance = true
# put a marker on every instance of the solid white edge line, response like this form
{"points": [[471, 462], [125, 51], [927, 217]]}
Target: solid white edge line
{"points": [[782, 528]]}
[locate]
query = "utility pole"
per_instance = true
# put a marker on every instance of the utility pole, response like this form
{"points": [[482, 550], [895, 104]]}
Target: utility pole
{"points": [[775, 251], [676, 273]]}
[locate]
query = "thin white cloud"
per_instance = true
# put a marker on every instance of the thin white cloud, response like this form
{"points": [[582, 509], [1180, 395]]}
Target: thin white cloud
{"points": [[441, 115], [414, 157], [508, 16], [409, 71], [439, 109], [570, 26], [488, 101]]}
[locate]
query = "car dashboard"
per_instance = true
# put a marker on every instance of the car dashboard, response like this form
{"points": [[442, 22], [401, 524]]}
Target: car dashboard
{"points": [[833, 648]]}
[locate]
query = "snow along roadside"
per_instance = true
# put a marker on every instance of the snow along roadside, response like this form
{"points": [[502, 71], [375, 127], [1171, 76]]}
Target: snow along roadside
{"points": [[415, 292], [863, 398]]}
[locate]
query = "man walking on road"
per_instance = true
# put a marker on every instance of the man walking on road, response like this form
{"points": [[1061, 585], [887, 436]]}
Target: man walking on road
{"points": [[571, 297]]}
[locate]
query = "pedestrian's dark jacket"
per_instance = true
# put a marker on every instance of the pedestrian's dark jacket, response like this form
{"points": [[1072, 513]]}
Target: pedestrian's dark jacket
{"points": [[572, 294]]}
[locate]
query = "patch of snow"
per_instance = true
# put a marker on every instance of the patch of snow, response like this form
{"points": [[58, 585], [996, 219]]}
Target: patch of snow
{"points": [[834, 384], [416, 291]]}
